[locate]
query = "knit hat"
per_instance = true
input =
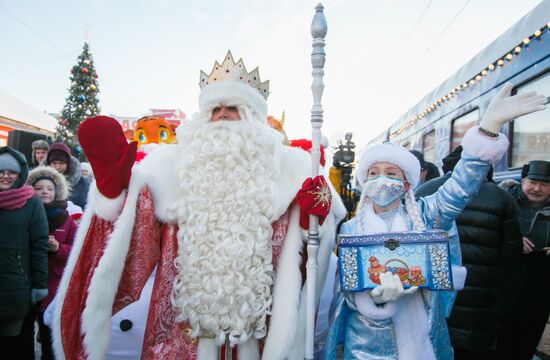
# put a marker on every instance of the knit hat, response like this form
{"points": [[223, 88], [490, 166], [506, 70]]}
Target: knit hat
{"points": [[394, 154], [8, 162], [59, 152], [40, 144]]}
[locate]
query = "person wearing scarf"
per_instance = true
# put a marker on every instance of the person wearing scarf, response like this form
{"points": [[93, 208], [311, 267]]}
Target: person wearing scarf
{"points": [[388, 322], [23, 256], [51, 187]]}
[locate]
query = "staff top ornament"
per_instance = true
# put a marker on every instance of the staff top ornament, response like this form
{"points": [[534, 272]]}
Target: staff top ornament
{"points": [[231, 70]]}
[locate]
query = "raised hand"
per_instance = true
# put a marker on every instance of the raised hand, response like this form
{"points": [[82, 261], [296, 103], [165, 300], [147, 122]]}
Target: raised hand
{"points": [[504, 108], [110, 155]]}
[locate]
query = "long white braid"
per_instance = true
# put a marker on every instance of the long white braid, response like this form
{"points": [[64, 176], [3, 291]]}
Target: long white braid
{"points": [[412, 211]]}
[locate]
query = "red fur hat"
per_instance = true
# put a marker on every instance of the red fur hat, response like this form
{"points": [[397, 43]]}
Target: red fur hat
{"points": [[109, 153]]}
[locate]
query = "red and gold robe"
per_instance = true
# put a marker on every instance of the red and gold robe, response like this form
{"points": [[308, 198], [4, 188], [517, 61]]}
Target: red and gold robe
{"points": [[121, 241]]}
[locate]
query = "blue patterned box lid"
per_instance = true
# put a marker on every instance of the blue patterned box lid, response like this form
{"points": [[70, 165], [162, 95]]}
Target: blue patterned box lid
{"points": [[420, 258]]}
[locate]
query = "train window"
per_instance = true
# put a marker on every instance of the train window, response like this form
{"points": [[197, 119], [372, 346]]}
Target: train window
{"points": [[428, 146], [461, 125], [531, 133]]}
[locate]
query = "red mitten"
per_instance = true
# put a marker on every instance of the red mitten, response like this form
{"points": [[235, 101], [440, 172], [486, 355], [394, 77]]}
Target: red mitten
{"points": [[314, 198], [110, 155]]}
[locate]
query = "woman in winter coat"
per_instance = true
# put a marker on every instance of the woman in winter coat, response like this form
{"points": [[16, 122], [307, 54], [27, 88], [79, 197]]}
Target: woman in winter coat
{"points": [[60, 158], [23, 251], [52, 188], [388, 322]]}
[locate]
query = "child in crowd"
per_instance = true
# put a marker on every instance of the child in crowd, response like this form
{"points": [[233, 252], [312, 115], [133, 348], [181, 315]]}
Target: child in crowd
{"points": [[52, 188]]}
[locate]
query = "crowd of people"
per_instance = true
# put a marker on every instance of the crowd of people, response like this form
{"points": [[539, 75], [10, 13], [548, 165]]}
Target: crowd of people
{"points": [[41, 204], [198, 248]]}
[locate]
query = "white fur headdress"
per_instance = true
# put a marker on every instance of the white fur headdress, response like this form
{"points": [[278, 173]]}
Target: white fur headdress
{"points": [[395, 154]]}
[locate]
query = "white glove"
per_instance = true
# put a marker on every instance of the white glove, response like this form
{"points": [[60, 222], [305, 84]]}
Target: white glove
{"points": [[390, 289], [504, 107]]}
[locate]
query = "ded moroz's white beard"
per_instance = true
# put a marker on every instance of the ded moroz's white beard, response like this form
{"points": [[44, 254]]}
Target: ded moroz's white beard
{"points": [[225, 210]]}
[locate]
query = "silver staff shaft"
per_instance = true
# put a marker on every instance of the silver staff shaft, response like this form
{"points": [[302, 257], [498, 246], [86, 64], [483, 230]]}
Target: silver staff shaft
{"points": [[318, 33]]}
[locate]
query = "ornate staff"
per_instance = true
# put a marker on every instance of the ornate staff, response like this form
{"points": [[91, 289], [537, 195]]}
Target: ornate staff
{"points": [[318, 32]]}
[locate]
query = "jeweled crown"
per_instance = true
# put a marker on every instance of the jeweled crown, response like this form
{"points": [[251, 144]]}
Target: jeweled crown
{"points": [[231, 70]]}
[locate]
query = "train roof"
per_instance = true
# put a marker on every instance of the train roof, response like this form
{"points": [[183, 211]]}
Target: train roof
{"points": [[537, 19]]}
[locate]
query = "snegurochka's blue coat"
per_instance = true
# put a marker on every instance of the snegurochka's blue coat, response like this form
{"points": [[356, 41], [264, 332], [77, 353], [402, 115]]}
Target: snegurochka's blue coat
{"points": [[364, 338]]}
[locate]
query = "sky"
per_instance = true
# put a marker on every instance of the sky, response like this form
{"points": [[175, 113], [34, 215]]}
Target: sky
{"points": [[382, 56]]}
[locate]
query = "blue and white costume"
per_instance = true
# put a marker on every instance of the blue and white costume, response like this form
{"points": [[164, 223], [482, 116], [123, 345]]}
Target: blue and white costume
{"points": [[414, 326]]}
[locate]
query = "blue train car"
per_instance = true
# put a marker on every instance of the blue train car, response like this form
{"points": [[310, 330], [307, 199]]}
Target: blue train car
{"points": [[438, 122]]}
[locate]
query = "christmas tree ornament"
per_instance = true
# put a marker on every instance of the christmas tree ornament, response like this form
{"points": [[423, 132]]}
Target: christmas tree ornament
{"points": [[92, 87], [85, 70], [81, 98], [79, 107], [87, 61]]}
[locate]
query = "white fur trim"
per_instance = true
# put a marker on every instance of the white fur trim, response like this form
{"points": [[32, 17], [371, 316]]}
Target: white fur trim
{"points": [[459, 274], [232, 93], [250, 350], [207, 349], [149, 148], [326, 246], [96, 317], [370, 310], [483, 147], [286, 336], [295, 168], [412, 329], [286, 292], [104, 207], [391, 153], [64, 283], [159, 172]]}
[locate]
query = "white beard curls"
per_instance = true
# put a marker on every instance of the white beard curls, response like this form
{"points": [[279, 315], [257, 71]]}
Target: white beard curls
{"points": [[225, 210]]}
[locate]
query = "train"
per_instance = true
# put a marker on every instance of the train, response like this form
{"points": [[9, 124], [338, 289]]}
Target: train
{"points": [[438, 122]]}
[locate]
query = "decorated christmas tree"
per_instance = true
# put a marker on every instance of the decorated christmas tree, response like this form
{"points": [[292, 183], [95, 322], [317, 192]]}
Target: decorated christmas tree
{"points": [[81, 103]]}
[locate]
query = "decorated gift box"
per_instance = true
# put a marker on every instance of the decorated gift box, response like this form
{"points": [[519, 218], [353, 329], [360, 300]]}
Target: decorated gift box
{"points": [[419, 258]]}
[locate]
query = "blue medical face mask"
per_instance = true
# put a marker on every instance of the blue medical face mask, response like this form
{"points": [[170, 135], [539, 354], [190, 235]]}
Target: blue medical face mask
{"points": [[383, 190]]}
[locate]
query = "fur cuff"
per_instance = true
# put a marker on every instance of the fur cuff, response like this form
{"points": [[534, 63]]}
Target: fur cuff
{"points": [[207, 349], [459, 276], [370, 310], [104, 207], [232, 93], [483, 147]]}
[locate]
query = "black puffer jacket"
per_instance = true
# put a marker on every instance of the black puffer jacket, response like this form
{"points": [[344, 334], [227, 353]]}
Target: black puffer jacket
{"points": [[23, 251], [490, 244], [534, 273]]}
